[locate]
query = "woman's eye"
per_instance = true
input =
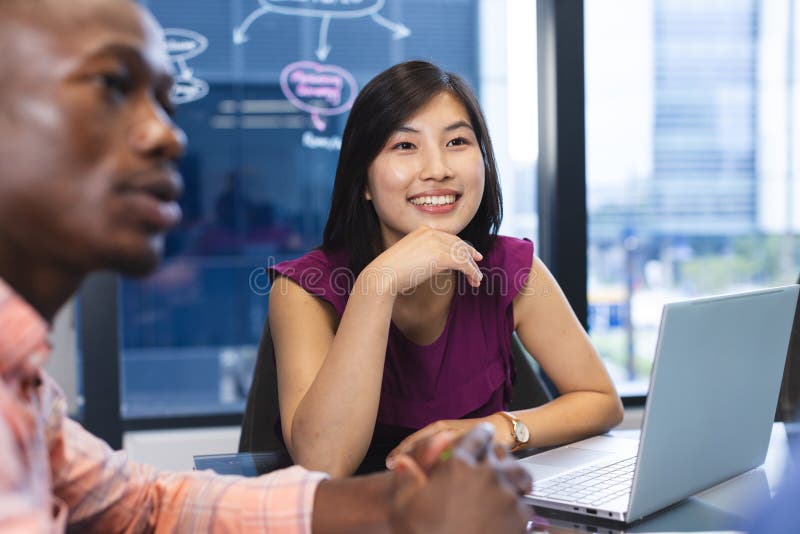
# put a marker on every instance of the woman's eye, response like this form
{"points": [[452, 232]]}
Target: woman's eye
{"points": [[458, 141], [403, 145]]}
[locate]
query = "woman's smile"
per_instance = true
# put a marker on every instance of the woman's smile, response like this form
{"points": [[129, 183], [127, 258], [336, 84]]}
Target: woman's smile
{"points": [[436, 201]]}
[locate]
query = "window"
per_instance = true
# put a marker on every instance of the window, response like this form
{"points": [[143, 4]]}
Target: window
{"points": [[691, 110], [265, 87]]}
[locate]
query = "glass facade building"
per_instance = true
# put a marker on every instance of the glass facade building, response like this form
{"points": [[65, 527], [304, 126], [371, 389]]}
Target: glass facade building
{"points": [[686, 191]]}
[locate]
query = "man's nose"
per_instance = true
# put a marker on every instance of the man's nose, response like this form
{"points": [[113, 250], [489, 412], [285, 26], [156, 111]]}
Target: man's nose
{"points": [[155, 135]]}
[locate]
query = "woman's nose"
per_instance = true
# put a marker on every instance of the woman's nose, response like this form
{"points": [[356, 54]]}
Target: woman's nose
{"points": [[435, 166]]}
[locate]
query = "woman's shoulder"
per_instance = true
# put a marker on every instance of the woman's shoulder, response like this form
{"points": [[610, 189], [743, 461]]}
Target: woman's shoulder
{"points": [[320, 273], [316, 259], [506, 267], [509, 252]]}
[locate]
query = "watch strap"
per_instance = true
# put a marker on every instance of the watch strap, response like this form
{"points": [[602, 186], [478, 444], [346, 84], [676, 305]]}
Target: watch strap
{"points": [[514, 420]]}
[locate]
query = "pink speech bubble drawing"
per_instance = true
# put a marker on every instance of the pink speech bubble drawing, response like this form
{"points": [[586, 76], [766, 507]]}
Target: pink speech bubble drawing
{"points": [[320, 90]]}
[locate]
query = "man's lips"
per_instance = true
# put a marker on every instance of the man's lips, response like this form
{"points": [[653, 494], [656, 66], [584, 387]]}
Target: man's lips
{"points": [[165, 185], [152, 197]]}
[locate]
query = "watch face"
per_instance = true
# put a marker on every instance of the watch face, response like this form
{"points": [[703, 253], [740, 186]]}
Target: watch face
{"points": [[523, 435]]}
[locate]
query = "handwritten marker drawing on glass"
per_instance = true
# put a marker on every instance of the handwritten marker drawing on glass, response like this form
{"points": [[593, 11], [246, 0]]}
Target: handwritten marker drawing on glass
{"points": [[183, 45], [343, 9], [318, 89]]}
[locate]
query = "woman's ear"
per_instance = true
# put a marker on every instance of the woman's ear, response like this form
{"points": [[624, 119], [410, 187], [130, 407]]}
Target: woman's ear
{"points": [[367, 194]]}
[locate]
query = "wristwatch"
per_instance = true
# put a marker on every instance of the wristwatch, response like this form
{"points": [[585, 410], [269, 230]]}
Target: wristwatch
{"points": [[519, 431]]}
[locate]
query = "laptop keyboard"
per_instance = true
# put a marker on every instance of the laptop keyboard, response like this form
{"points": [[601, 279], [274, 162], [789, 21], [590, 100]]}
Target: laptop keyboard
{"points": [[595, 485]]}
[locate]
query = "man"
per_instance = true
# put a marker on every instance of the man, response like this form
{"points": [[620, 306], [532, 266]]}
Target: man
{"points": [[87, 182]]}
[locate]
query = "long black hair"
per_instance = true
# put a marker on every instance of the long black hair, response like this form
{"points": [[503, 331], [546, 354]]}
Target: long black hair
{"points": [[381, 107]]}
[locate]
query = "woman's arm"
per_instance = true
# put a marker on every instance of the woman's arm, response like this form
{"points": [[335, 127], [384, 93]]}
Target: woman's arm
{"points": [[329, 380], [329, 375], [548, 328]]}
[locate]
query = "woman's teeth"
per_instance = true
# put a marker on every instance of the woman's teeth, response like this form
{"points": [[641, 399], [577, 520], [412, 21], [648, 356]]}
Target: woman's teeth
{"points": [[433, 201]]}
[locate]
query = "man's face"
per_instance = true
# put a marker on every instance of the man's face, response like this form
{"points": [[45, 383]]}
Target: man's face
{"points": [[87, 147]]}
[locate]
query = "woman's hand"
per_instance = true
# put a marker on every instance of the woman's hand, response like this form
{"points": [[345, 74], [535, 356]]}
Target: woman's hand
{"points": [[451, 427], [419, 256]]}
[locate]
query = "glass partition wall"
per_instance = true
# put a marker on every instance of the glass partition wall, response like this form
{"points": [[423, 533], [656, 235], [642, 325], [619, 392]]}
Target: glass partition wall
{"points": [[264, 90]]}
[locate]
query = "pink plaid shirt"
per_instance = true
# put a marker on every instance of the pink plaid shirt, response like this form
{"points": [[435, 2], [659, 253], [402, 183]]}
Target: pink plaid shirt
{"points": [[54, 474]]}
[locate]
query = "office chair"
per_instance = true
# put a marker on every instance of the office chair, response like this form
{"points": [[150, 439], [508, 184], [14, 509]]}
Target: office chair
{"points": [[261, 412], [258, 425], [529, 388], [790, 387]]}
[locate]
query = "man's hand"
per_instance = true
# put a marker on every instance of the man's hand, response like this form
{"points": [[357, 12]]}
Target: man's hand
{"points": [[470, 489], [417, 443]]}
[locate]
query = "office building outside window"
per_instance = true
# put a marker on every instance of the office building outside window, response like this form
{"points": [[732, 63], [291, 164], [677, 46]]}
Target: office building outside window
{"points": [[691, 162]]}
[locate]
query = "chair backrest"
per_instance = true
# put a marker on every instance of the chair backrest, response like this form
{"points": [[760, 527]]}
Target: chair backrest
{"points": [[789, 399], [529, 388], [258, 425]]}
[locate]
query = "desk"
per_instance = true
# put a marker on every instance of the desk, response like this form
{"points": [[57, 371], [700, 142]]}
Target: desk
{"points": [[725, 507], [253, 464]]}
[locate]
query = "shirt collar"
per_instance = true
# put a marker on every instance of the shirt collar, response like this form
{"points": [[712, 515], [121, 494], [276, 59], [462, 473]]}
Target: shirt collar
{"points": [[23, 334]]}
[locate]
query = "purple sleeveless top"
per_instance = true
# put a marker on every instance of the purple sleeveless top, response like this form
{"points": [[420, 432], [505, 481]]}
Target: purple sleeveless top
{"points": [[467, 371]]}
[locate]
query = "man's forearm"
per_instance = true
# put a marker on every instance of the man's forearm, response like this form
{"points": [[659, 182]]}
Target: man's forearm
{"points": [[359, 504]]}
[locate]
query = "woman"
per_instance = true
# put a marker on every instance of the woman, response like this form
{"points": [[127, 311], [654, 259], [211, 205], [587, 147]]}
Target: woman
{"points": [[400, 324]]}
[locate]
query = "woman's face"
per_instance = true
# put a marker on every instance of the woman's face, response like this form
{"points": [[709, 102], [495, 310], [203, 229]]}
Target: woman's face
{"points": [[429, 172]]}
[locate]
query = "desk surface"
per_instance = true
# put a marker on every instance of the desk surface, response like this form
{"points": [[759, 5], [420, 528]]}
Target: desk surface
{"points": [[724, 508], [727, 507]]}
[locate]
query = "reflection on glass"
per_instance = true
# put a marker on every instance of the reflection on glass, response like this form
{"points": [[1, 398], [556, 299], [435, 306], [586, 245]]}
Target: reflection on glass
{"points": [[264, 138], [691, 161]]}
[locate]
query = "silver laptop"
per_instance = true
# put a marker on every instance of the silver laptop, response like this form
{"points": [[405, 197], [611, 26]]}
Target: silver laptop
{"points": [[713, 394]]}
